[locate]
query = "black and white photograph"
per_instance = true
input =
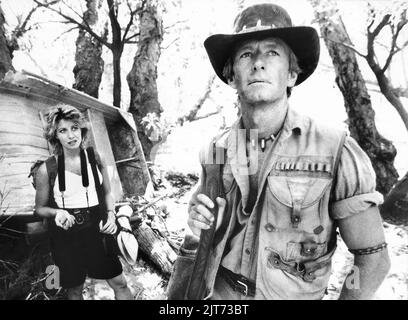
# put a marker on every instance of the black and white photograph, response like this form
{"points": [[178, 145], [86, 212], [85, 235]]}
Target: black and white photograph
{"points": [[191, 150]]}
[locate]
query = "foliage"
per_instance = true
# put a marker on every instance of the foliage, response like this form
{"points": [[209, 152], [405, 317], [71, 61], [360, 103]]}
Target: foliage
{"points": [[154, 127], [21, 265], [22, 272]]}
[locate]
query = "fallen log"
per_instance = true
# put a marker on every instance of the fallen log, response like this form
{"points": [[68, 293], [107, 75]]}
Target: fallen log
{"points": [[155, 246]]}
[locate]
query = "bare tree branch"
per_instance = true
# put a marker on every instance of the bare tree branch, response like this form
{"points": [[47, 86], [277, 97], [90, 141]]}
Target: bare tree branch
{"points": [[385, 20], [192, 114], [132, 15], [80, 16], [205, 116], [347, 46], [82, 26], [398, 49], [401, 92], [176, 39], [43, 73], [65, 32], [22, 28], [127, 40], [393, 50], [372, 22], [174, 24], [371, 35]]}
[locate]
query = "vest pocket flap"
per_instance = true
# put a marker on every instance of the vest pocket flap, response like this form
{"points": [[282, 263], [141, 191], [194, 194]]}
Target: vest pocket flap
{"points": [[303, 191]]}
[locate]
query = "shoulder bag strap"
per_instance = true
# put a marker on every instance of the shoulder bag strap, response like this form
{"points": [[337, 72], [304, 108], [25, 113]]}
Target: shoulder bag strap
{"points": [[51, 165], [61, 177], [92, 160]]}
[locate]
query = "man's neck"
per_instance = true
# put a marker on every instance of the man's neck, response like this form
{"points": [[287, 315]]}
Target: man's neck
{"points": [[267, 118]]}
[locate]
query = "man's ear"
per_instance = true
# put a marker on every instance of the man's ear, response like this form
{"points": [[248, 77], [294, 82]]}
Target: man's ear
{"points": [[231, 83], [292, 77]]}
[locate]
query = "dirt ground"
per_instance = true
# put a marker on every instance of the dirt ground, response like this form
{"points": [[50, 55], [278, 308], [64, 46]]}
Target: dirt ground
{"points": [[147, 284]]}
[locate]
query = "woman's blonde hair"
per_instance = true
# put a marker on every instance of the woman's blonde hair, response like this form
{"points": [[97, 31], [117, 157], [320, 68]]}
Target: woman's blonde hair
{"points": [[64, 112]]}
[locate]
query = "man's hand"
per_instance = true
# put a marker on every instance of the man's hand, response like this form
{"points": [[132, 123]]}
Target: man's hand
{"points": [[63, 219], [199, 215], [110, 226]]}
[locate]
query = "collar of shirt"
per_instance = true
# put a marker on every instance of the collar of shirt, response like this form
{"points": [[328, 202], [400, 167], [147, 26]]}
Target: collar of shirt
{"points": [[234, 141]]}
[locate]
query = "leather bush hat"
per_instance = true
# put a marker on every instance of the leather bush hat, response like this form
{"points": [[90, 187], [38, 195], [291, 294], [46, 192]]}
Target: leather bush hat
{"points": [[126, 240], [263, 21]]}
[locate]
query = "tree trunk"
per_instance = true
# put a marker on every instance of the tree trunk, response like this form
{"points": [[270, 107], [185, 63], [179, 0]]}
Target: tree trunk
{"points": [[142, 77], [395, 206], [5, 57], [356, 98], [88, 57], [117, 81], [117, 50], [131, 163]]}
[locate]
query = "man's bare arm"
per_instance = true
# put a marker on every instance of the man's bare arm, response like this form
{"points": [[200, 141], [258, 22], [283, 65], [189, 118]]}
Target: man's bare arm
{"points": [[364, 230]]}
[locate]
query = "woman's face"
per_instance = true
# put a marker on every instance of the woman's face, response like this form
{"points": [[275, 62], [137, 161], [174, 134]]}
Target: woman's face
{"points": [[69, 134]]}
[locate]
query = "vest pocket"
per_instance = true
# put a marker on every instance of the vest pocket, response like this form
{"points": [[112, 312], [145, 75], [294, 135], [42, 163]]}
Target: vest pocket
{"points": [[299, 196], [302, 251]]}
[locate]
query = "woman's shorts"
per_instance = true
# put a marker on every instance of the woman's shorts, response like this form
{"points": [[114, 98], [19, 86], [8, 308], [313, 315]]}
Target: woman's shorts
{"points": [[83, 253]]}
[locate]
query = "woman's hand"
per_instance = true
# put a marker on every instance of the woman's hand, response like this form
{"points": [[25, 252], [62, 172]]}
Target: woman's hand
{"points": [[63, 219], [110, 226]]}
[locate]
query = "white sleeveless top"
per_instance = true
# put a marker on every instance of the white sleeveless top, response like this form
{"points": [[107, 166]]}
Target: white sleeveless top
{"points": [[75, 193]]}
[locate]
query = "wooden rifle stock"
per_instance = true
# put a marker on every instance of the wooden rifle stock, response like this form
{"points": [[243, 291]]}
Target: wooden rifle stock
{"points": [[212, 188]]}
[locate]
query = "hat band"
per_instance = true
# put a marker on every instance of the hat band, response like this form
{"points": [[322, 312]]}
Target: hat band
{"points": [[258, 27]]}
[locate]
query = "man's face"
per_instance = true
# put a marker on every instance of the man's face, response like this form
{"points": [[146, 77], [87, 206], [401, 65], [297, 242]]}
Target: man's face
{"points": [[261, 71]]}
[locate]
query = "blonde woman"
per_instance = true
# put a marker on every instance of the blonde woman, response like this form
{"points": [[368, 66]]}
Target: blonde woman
{"points": [[73, 192]]}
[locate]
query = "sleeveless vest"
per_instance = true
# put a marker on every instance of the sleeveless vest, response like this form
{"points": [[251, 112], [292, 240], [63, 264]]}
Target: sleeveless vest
{"points": [[296, 236]]}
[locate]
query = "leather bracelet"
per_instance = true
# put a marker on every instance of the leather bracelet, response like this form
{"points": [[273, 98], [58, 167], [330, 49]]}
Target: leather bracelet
{"points": [[369, 250]]}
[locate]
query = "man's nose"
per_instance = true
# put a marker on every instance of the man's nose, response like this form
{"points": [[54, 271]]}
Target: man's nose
{"points": [[258, 63]]}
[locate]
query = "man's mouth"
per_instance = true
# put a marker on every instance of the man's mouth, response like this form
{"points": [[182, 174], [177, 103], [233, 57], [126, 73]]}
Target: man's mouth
{"points": [[256, 81]]}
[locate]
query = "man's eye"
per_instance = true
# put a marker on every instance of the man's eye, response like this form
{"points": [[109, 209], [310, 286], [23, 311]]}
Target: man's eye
{"points": [[273, 53], [245, 55], [75, 128], [62, 130]]}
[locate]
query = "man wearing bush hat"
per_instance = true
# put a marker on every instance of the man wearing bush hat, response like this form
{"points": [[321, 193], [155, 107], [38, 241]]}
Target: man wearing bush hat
{"points": [[288, 181]]}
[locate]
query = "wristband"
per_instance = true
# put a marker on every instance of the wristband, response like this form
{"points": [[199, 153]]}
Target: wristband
{"points": [[370, 250]]}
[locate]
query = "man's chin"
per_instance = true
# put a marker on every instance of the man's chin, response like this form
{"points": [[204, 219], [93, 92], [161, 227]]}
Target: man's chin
{"points": [[257, 99]]}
